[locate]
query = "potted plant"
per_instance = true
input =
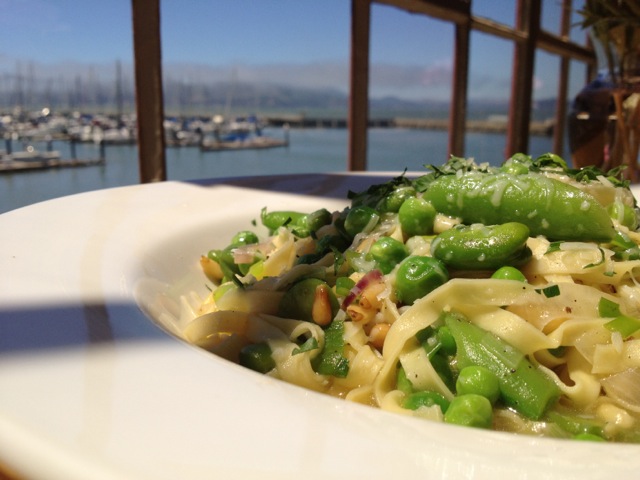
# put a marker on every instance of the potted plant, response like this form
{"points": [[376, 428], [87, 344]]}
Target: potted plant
{"points": [[614, 28]]}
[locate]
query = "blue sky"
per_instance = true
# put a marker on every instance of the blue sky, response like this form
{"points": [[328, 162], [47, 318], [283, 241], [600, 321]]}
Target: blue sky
{"points": [[295, 41]]}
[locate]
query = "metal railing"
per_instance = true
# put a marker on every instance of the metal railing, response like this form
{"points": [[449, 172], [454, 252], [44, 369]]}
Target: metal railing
{"points": [[527, 35]]}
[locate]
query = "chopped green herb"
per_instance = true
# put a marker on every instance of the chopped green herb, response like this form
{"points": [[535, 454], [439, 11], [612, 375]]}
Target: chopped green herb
{"points": [[375, 193], [599, 262], [344, 286], [558, 352], [624, 324], [310, 344], [608, 308], [550, 291], [553, 247]]}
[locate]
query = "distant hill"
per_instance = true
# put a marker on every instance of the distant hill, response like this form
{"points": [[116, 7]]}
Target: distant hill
{"points": [[242, 98], [326, 102]]}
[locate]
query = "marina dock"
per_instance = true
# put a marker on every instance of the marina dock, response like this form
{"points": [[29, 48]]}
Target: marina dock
{"points": [[15, 166], [488, 125], [209, 133], [258, 143]]}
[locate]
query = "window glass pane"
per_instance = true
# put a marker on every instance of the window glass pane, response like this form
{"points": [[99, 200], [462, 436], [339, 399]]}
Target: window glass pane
{"points": [[577, 78], [551, 16], [411, 58], [490, 66], [64, 54], [544, 102], [501, 11], [545, 85], [255, 57], [584, 133], [578, 34]]}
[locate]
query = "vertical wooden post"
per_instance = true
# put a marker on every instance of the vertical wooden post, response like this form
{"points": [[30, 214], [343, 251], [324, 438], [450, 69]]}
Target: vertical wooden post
{"points": [[563, 84], [359, 84], [458, 114], [149, 97], [528, 22]]}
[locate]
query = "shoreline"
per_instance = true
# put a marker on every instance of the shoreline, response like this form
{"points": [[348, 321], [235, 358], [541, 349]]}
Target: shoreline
{"points": [[497, 125]]}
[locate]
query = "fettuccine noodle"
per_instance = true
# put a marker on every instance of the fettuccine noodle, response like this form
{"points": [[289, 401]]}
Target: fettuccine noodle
{"points": [[359, 343]]}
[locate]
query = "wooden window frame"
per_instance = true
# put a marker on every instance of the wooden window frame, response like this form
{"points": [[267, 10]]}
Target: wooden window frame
{"points": [[527, 35]]}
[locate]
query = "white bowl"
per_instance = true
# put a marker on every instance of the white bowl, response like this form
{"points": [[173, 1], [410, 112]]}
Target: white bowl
{"points": [[93, 384]]}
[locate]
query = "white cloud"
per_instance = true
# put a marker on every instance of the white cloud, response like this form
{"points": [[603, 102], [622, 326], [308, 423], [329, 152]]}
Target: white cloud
{"points": [[411, 82]]}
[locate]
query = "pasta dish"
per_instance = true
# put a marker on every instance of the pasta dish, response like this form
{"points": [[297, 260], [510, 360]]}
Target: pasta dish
{"points": [[502, 297]]}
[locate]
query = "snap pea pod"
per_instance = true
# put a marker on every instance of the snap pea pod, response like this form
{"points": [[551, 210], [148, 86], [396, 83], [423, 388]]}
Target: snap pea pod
{"points": [[276, 219], [523, 387], [577, 424], [302, 224], [624, 248], [547, 206], [417, 275], [331, 361], [415, 400], [481, 247], [624, 214]]}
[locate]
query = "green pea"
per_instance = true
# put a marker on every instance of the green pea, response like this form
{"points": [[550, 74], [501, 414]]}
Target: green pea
{"points": [[277, 219], [415, 400], [470, 410], [417, 276], [298, 301], [480, 247], [387, 252], [245, 237], [479, 380], [318, 219], [257, 357], [344, 286], [416, 217], [509, 273], [547, 206], [360, 219], [392, 202]]}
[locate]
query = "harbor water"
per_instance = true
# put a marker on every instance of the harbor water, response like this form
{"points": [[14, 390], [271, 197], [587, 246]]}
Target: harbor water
{"points": [[310, 151]]}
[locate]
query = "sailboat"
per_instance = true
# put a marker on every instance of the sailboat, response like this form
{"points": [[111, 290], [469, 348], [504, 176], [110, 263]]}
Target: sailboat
{"points": [[239, 133]]}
